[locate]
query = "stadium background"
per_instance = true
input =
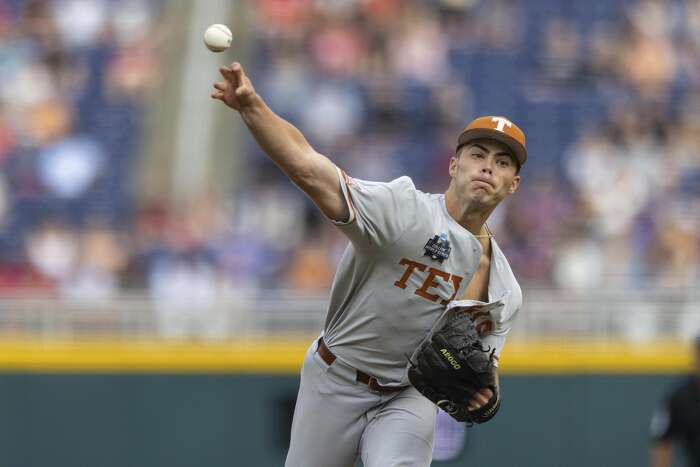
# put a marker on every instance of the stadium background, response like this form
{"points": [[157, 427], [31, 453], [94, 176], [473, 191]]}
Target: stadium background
{"points": [[159, 279]]}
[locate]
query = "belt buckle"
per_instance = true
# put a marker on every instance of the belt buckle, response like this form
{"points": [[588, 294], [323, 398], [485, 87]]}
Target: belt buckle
{"points": [[374, 386]]}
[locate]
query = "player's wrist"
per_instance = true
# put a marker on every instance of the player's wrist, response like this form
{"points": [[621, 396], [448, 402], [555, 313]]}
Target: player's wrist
{"points": [[251, 108]]}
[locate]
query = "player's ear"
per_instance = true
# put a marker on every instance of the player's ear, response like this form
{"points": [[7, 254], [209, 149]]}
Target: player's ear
{"points": [[514, 185], [453, 165]]}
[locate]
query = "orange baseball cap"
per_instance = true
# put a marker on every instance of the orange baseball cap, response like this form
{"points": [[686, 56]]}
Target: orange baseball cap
{"points": [[498, 128]]}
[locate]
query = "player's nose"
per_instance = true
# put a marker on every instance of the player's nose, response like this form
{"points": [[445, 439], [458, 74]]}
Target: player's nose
{"points": [[487, 168], [488, 164]]}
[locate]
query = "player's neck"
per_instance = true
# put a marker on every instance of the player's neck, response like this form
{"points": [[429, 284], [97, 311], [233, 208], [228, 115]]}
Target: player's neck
{"points": [[468, 215]]}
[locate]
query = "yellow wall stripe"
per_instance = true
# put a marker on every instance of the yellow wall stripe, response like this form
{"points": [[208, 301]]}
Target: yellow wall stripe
{"points": [[594, 356], [285, 356]]}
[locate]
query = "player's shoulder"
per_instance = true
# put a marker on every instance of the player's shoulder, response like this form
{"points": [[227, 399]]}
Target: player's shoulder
{"points": [[406, 185], [403, 183]]}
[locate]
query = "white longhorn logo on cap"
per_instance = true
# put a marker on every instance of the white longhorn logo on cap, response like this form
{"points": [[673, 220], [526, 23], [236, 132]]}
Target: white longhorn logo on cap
{"points": [[501, 122]]}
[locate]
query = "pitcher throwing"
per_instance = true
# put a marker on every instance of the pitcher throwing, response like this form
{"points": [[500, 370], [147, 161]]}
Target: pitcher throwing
{"points": [[411, 256]]}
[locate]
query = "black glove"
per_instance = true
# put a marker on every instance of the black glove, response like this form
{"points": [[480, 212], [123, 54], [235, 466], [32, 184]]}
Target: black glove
{"points": [[451, 365]]}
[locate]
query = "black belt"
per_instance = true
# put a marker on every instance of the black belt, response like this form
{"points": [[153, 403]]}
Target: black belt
{"points": [[362, 377]]}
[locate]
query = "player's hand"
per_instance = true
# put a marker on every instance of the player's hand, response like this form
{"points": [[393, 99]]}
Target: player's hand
{"points": [[236, 90], [480, 399]]}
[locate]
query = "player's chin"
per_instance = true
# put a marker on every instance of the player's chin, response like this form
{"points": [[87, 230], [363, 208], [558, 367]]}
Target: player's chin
{"points": [[482, 197]]}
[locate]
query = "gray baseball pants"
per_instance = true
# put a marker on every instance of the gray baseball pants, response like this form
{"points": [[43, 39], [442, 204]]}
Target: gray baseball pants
{"points": [[337, 419]]}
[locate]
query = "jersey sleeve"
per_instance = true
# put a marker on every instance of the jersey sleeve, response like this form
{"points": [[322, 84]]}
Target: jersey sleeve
{"points": [[379, 212]]}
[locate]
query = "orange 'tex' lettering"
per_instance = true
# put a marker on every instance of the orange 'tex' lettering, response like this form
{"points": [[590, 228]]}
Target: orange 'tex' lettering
{"points": [[429, 282], [412, 265]]}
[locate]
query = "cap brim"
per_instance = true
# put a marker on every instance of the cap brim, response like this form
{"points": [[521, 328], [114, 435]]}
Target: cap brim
{"points": [[518, 149]]}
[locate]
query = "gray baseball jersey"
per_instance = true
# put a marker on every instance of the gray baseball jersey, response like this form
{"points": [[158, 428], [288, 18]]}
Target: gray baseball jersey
{"points": [[406, 261]]}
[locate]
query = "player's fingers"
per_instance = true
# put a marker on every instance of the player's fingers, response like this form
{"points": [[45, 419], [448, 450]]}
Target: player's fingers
{"points": [[221, 85], [238, 72], [480, 398], [226, 73], [474, 403], [217, 95]]}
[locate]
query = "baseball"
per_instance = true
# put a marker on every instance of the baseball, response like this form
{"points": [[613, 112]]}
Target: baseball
{"points": [[217, 37]]}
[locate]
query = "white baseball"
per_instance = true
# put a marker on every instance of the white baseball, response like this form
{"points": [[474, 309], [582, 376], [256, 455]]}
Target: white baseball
{"points": [[218, 37]]}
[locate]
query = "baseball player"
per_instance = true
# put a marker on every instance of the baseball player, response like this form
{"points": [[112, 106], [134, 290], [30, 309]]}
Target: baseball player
{"points": [[410, 256]]}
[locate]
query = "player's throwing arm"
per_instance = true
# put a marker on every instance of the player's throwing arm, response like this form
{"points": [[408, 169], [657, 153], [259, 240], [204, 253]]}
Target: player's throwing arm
{"points": [[314, 173]]}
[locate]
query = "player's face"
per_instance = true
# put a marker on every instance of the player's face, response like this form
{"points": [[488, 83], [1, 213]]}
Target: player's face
{"points": [[484, 171]]}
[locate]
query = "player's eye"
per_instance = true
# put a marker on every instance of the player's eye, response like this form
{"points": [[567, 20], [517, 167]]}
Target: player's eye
{"points": [[478, 155], [504, 163]]}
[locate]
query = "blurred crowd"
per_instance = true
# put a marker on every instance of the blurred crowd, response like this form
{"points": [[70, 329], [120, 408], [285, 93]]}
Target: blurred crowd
{"points": [[607, 92], [74, 75]]}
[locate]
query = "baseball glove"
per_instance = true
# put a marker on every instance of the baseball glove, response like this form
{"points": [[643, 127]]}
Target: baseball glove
{"points": [[451, 365]]}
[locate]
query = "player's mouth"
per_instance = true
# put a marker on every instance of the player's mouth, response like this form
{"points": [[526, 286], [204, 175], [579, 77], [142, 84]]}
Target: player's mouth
{"points": [[484, 181]]}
